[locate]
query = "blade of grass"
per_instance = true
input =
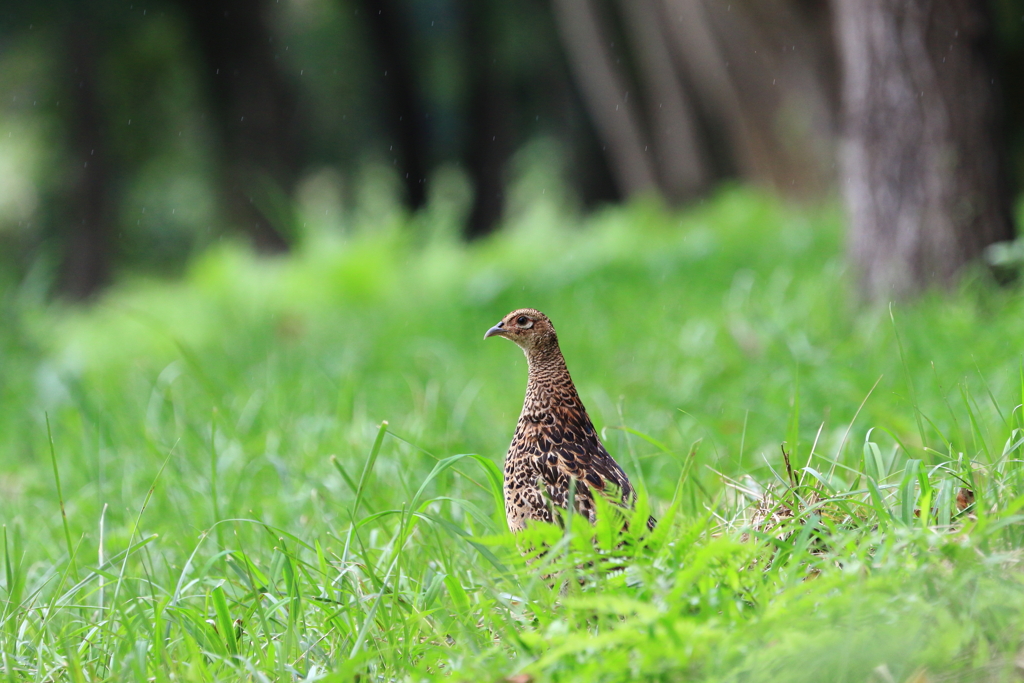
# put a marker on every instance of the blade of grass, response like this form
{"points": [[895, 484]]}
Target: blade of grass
{"points": [[991, 396], [213, 478], [368, 466], [793, 428], [846, 434], [124, 563], [907, 491], [224, 623], [910, 380], [60, 498]]}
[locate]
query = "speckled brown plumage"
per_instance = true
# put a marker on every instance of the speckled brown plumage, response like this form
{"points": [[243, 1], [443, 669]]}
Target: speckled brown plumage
{"points": [[555, 441]]}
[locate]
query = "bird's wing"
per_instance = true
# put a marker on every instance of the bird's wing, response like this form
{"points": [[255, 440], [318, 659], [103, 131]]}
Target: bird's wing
{"points": [[567, 447]]}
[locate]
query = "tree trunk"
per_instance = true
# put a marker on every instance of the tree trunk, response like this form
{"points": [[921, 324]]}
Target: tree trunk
{"points": [[491, 126], [404, 110], [606, 95], [762, 69], [673, 127], [699, 57], [255, 110], [86, 260], [924, 183]]}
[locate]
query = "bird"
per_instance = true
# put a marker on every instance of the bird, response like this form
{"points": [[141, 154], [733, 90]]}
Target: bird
{"points": [[555, 447]]}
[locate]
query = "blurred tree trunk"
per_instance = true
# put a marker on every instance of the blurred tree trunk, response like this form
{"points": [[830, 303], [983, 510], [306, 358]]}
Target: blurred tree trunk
{"points": [[255, 111], [779, 54], [86, 260], [606, 94], [405, 113], [489, 150], [673, 129], [699, 57], [921, 169], [491, 108], [763, 71]]}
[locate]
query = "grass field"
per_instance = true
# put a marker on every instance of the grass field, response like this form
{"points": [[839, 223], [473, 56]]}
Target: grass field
{"points": [[220, 500]]}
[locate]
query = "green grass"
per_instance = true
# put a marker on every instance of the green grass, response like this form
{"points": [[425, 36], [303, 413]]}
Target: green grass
{"points": [[235, 510]]}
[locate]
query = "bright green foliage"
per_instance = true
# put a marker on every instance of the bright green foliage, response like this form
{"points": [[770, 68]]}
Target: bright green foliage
{"points": [[236, 510]]}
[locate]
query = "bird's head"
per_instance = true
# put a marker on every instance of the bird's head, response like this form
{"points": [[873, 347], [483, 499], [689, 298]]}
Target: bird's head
{"points": [[527, 327]]}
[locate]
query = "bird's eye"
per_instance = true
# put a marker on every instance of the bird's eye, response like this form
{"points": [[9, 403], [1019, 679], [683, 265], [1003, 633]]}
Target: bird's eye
{"points": [[524, 322]]}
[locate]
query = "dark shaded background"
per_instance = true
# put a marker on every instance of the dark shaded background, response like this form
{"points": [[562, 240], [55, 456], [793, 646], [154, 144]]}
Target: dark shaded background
{"points": [[132, 134]]}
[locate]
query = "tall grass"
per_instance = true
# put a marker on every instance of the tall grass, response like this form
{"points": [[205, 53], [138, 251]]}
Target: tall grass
{"points": [[232, 504]]}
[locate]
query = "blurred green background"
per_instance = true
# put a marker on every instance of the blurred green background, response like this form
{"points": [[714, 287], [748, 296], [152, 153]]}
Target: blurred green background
{"points": [[133, 135]]}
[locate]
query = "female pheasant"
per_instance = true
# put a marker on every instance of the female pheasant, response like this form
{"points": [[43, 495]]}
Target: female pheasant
{"points": [[555, 441]]}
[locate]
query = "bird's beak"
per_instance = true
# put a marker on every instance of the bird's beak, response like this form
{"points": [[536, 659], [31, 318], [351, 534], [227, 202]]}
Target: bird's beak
{"points": [[496, 330]]}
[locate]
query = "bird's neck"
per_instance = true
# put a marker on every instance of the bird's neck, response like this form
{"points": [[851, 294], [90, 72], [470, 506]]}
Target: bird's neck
{"points": [[547, 372]]}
